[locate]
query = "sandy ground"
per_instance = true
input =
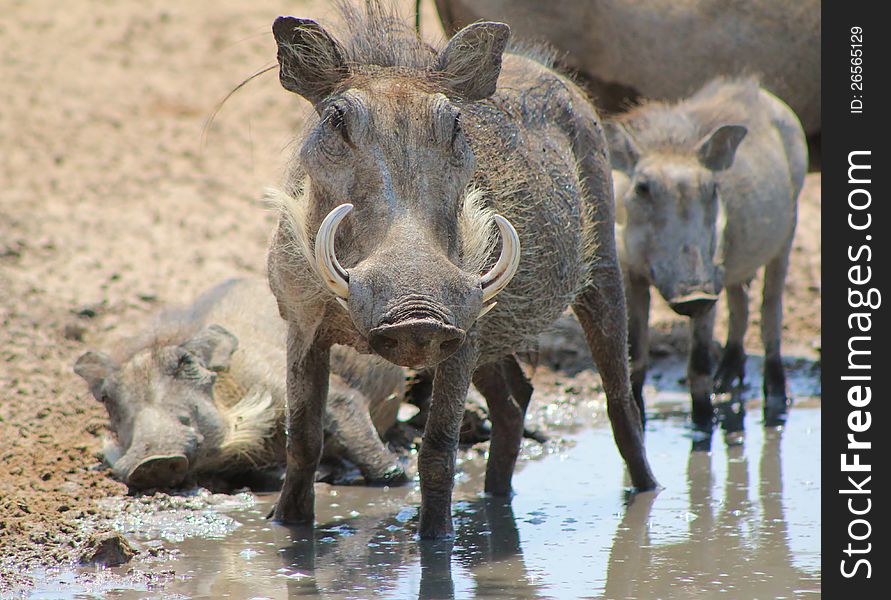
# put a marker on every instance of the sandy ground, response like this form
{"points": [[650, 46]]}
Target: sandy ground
{"points": [[113, 204]]}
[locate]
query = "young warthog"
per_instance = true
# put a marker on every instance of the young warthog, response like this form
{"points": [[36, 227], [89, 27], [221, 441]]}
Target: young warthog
{"points": [[202, 393], [711, 195], [432, 149]]}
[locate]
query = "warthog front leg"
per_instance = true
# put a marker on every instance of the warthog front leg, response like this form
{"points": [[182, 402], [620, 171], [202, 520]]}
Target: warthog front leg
{"points": [[700, 369], [637, 292], [352, 432], [601, 312], [775, 401], [307, 389], [732, 368], [507, 391], [436, 460]]}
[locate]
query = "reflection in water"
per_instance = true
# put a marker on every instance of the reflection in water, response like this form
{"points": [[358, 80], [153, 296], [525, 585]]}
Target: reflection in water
{"points": [[731, 544], [729, 523], [744, 549], [372, 555]]}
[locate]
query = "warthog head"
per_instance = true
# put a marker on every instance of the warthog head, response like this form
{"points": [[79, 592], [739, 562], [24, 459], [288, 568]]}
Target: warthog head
{"points": [[671, 218], [160, 406], [394, 229]]}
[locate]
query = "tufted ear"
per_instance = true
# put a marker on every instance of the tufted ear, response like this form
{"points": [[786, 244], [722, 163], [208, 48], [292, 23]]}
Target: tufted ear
{"points": [[623, 151], [310, 61], [471, 62], [717, 150], [214, 345], [95, 368]]}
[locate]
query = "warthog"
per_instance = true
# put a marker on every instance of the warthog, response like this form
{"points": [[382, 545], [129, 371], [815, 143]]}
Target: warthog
{"points": [[666, 49], [388, 214], [711, 196], [202, 393]]}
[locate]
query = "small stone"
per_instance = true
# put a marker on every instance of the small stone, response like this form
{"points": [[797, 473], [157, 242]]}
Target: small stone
{"points": [[89, 311], [106, 549], [74, 331]]}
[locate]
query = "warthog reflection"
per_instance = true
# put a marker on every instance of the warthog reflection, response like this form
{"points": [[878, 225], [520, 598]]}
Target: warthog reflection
{"points": [[738, 542], [733, 544]]}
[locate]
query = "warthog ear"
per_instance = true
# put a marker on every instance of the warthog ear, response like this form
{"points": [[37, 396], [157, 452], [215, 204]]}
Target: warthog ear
{"points": [[623, 152], [94, 368], [214, 345], [310, 60], [717, 149], [471, 62]]}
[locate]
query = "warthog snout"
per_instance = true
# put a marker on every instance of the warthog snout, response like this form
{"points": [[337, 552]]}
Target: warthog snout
{"points": [[158, 471], [411, 299], [417, 342], [692, 305], [338, 280]]}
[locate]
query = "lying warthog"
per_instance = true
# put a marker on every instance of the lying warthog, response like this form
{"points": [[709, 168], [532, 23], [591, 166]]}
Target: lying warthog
{"points": [[202, 393], [711, 195], [430, 154], [666, 49]]}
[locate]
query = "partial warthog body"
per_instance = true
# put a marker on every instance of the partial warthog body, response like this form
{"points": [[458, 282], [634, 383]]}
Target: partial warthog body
{"points": [[202, 392], [388, 242], [666, 49], [709, 194]]}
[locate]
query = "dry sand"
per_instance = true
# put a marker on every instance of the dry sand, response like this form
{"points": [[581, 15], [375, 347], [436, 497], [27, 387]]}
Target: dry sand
{"points": [[111, 206]]}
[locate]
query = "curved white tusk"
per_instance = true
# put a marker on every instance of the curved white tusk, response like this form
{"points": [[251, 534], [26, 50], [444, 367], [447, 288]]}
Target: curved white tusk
{"points": [[336, 278], [486, 308], [497, 279]]}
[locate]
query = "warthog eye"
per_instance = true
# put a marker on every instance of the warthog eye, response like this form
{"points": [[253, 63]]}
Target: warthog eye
{"points": [[642, 189], [335, 117], [186, 365], [456, 128]]}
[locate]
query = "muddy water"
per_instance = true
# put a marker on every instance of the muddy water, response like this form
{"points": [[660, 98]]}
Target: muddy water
{"points": [[738, 521]]}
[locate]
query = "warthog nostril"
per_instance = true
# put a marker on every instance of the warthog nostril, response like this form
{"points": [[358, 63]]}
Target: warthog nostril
{"points": [[382, 342], [449, 346]]}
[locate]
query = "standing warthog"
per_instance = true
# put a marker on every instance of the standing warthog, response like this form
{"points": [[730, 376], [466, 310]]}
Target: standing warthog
{"points": [[666, 49], [711, 195], [431, 148], [201, 393]]}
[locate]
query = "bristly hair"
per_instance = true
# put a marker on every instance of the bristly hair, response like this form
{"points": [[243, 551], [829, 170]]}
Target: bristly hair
{"points": [[680, 126], [376, 35]]}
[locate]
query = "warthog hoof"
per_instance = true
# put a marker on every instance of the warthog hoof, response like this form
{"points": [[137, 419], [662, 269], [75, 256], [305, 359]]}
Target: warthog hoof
{"points": [[731, 370], [776, 410]]}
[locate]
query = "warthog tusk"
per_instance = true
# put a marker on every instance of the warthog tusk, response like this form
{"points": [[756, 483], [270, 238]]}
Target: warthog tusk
{"points": [[336, 278], [497, 279], [486, 308]]}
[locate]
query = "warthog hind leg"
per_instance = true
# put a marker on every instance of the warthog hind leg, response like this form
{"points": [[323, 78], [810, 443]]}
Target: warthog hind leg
{"points": [[507, 391], [637, 293], [601, 312]]}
